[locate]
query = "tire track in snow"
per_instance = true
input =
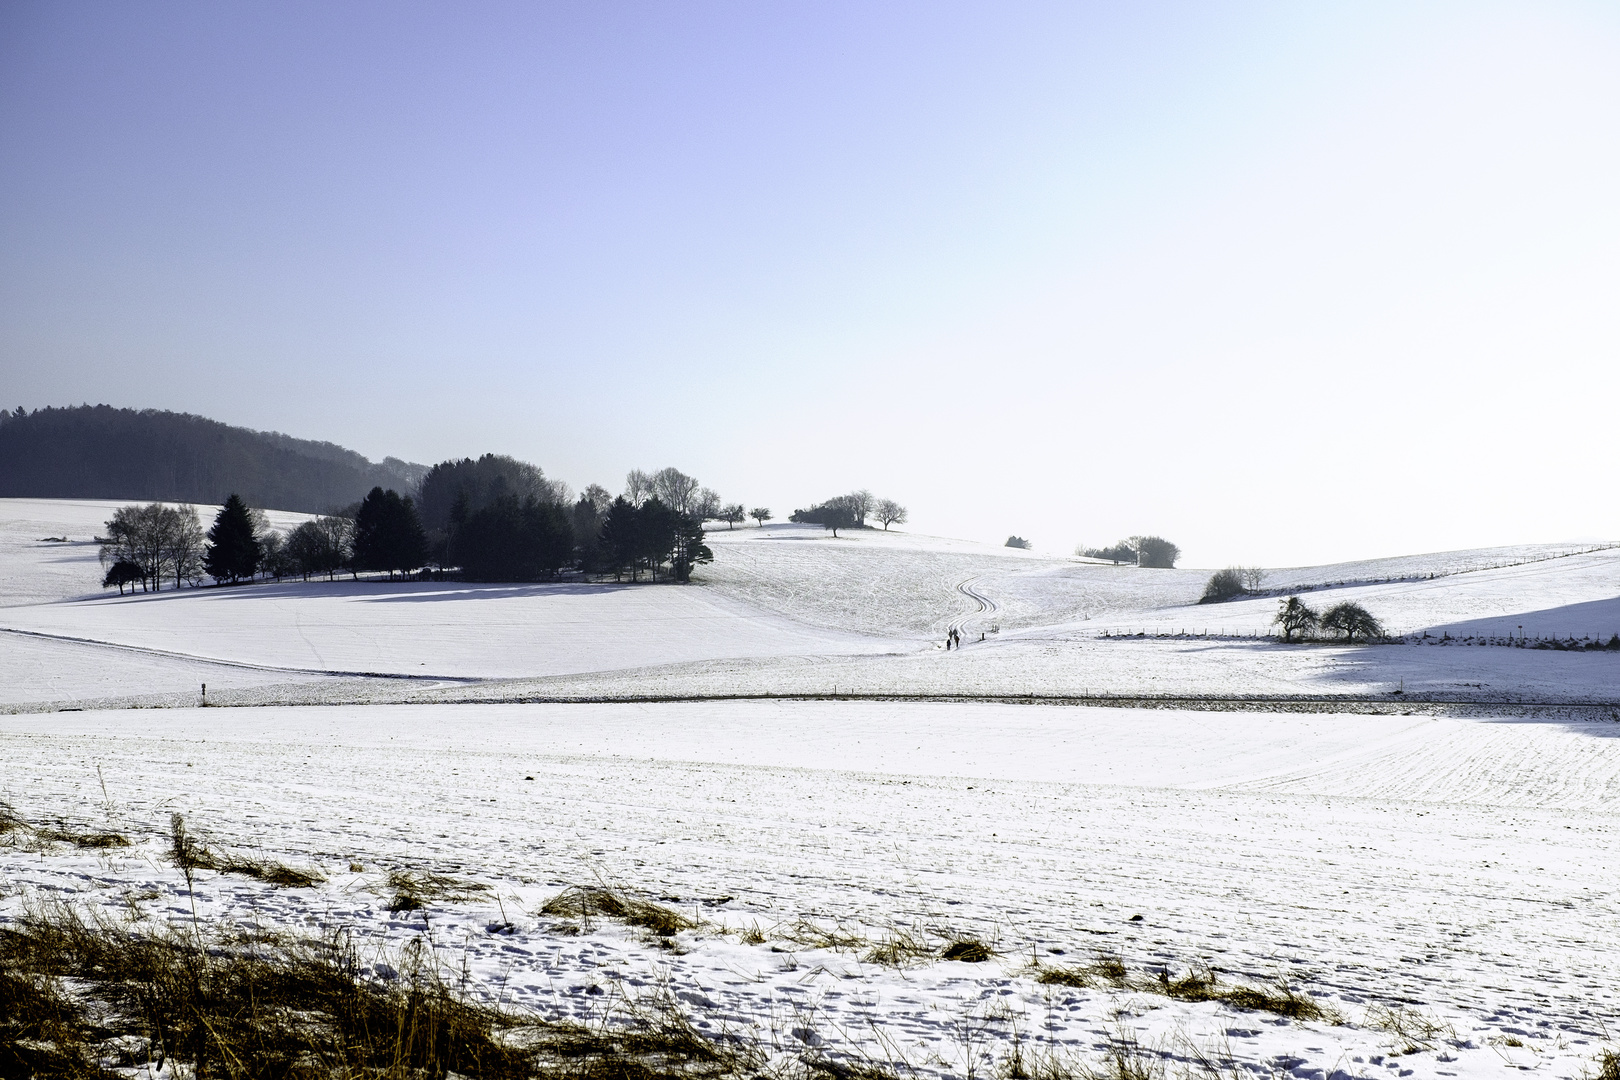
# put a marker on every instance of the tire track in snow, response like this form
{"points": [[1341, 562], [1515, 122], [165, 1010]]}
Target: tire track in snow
{"points": [[244, 665], [987, 607]]}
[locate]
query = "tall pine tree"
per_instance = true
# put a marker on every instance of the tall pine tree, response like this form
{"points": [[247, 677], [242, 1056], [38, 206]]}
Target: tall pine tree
{"points": [[233, 550], [388, 534]]}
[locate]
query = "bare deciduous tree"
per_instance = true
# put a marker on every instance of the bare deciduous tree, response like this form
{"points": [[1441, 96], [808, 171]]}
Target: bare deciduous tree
{"points": [[706, 505], [889, 512], [732, 514], [638, 487], [1294, 616], [675, 489], [1351, 619], [761, 514], [860, 504], [161, 541]]}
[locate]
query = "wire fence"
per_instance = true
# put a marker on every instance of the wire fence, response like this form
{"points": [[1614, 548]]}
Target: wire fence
{"points": [[1431, 575], [1560, 642]]}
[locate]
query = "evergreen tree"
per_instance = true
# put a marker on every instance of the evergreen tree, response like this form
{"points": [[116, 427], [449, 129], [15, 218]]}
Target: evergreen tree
{"points": [[388, 534], [233, 551], [508, 541], [689, 550], [621, 537]]}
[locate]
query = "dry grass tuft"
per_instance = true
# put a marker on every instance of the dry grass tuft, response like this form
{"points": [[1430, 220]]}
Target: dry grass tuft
{"points": [[1106, 969], [270, 1008], [1414, 1030], [815, 936], [93, 840], [1125, 1059], [899, 947], [415, 890], [583, 901], [188, 853], [967, 950], [13, 826], [1608, 1065], [272, 873], [1198, 984]]}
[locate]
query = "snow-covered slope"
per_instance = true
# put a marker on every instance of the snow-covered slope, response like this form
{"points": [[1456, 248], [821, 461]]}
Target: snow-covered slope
{"points": [[790, 609]]}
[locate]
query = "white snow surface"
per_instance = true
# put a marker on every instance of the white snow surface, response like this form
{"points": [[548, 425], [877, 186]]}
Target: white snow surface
{"points": [[1466, 872]]}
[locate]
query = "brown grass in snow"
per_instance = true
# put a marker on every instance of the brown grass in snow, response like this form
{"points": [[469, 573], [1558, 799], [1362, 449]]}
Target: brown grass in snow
{"points": [[189, 854], [583, 901], [1200, 983], [81, 998]]}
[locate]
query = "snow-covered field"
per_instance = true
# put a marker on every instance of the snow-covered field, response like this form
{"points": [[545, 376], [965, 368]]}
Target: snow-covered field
{"points": [[1447, 885], [1464, 872]]}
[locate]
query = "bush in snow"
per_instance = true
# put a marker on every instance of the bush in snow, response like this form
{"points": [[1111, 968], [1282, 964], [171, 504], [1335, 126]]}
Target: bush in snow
{"points": [[1351, 619], [1223, 585]]}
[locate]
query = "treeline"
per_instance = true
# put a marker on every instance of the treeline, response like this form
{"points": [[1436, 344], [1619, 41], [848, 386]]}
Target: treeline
{"points": [[99, 452], [490, 519], [851, 511], [1150, 551]]}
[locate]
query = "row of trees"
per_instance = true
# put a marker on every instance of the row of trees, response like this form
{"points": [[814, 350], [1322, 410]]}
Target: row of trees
{"points": [[1352, 620], [1150, 551], [148, 545], [851, 511], [493, 518]]}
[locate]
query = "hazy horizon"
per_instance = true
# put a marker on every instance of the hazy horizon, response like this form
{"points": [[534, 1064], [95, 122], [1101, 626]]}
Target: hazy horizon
{"points": [[1286, 286]]}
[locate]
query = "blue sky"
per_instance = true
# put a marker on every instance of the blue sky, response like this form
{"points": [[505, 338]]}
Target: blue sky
{"points": [[1285, 283]]}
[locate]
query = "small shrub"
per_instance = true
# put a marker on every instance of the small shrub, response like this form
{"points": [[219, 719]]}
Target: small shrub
{"points": [[1223, 585]]}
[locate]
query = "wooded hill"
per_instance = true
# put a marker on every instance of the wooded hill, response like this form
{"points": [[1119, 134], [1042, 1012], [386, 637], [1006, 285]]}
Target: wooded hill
{"points": [[99, 452]]}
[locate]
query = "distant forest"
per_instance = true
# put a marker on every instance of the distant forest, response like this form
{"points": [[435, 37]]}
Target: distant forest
{"points": [[99, 452]]}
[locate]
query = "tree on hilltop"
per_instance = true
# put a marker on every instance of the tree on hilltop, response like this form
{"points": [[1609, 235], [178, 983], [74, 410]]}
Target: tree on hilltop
{"points": [[861, 503], [888, 512], [1155, 552], [761, 514]]}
